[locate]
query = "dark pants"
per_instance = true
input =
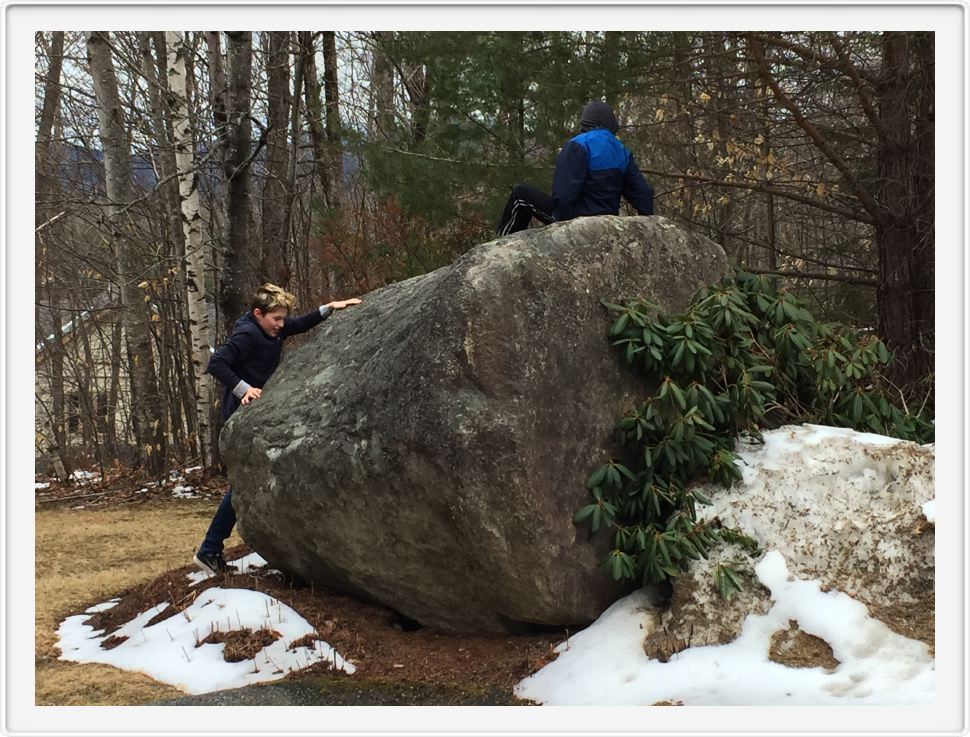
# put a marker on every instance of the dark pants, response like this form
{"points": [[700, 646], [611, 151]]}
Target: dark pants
{"points": [[525, 202], [221, 526]]}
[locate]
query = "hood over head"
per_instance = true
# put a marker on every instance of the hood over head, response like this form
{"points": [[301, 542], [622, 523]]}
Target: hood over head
{"points": [[598, 114]]}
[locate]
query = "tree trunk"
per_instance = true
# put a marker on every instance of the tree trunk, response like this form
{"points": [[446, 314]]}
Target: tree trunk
{"points": [[45, 186], [420, 94], [331, 92], [131, 270], [114, 389], [218, 103], [273, 251], [52, 98], [294, 154], [904, 234], [611, 67], [236, 261], [324, 129], [924, 217], [195, 252], [163, 143], [381, 120]]}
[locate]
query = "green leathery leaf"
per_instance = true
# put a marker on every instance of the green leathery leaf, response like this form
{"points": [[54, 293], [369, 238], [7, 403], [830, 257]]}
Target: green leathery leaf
{"points": [[584, 513], [596, 478], [620, 324]]}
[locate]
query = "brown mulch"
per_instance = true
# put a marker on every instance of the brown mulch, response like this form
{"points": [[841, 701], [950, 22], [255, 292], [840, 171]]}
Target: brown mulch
{"points": [[239, 645], [798, 649], [385, 647]]}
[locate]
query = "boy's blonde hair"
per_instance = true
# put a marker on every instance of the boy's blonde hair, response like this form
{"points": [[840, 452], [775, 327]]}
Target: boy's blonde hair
{"points": [[270, 297]]}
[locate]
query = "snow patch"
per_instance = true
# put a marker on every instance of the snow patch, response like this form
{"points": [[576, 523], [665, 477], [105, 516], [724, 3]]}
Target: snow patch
{"points": [[183, 492], [252, 563], [929, 510], [82, 476], [605, 664], [169, 651]]}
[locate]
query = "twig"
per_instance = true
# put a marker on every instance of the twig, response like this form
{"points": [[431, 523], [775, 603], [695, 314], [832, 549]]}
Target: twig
{"points": [[69, 498], [820, 276], [50, 222]]}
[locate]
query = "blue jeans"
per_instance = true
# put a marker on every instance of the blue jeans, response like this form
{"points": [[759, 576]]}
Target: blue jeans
{"points": [[220, 528]]}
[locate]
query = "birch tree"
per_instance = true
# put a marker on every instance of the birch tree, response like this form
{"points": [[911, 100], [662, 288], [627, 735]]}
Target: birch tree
{"points": [[166, 155], [195, 251]]}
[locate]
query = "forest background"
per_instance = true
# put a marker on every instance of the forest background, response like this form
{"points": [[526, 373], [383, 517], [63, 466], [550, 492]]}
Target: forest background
{"points": [[176, 170]]}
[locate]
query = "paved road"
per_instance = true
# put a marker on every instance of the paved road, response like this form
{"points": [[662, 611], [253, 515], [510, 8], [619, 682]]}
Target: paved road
{"points": [[325, 691]]}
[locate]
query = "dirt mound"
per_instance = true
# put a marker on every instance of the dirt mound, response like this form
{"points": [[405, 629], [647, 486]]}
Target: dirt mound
{"points": [[387, 649]]}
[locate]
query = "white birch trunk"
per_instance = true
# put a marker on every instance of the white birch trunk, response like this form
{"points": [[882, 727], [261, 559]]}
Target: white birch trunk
{"points": [[198, 310]]}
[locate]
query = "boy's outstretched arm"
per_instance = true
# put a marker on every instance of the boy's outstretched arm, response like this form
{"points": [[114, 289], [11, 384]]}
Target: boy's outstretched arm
{"points": [[297, 325]]}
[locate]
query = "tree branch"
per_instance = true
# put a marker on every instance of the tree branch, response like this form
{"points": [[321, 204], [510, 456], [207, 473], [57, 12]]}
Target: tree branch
{"points": [[264, 133], [761, 187], [822, 277], [808, 54], [853, 74], [866, 199]]}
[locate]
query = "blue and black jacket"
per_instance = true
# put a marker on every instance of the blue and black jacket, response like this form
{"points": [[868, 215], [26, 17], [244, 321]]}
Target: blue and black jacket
{"points": [[250, 356], [593, 171]]}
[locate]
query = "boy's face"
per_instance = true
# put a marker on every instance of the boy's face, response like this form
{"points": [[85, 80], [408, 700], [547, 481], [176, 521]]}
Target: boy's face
{"points": [[271, 322]]}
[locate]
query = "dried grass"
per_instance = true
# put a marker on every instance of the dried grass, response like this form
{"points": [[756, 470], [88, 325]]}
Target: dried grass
{"points": [[86, 556], [155, 546]]}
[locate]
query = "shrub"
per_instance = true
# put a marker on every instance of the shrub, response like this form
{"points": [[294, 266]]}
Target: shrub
{"points": [[742, 357]]}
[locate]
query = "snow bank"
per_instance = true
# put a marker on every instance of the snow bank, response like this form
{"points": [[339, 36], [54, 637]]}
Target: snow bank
{"points": [[844, 514], [605, 663]]}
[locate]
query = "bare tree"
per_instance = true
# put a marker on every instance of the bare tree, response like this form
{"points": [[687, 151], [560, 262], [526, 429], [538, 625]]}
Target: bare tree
{"points": [[236, 262], [324, 127], [131, 269], [44, 189], [897, 104], [381, 104], [195, 243], [163, 144], [273, 254]]}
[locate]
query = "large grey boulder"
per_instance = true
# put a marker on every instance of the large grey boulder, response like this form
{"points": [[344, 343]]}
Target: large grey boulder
{"points": [[428, 448]]}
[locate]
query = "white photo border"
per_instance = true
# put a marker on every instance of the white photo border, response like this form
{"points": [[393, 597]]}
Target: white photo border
{"points": [[948, 715]]}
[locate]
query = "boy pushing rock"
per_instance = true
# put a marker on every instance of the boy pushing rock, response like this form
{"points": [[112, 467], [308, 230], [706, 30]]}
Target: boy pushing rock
{"points": [[243, 365]]}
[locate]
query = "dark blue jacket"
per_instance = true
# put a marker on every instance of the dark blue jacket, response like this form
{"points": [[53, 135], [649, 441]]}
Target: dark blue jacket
{"points": [[250, 355], [593, 170]]}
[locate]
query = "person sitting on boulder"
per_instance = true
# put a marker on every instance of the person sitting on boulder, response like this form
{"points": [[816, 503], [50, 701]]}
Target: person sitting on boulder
{"points": [[593, 170], [243, 365]]}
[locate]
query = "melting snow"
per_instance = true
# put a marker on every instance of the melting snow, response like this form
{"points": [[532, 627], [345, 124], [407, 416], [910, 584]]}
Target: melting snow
{"points": [[605, 663], [169, 650], [602, 665], [183, 492]]}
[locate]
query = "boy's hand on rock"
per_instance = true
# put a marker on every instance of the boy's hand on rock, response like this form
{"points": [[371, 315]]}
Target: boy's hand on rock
{"points": [[343, 303], [252, 393]]}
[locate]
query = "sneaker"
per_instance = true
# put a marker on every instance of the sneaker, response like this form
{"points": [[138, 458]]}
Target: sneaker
{"points": [[214, 563]]}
